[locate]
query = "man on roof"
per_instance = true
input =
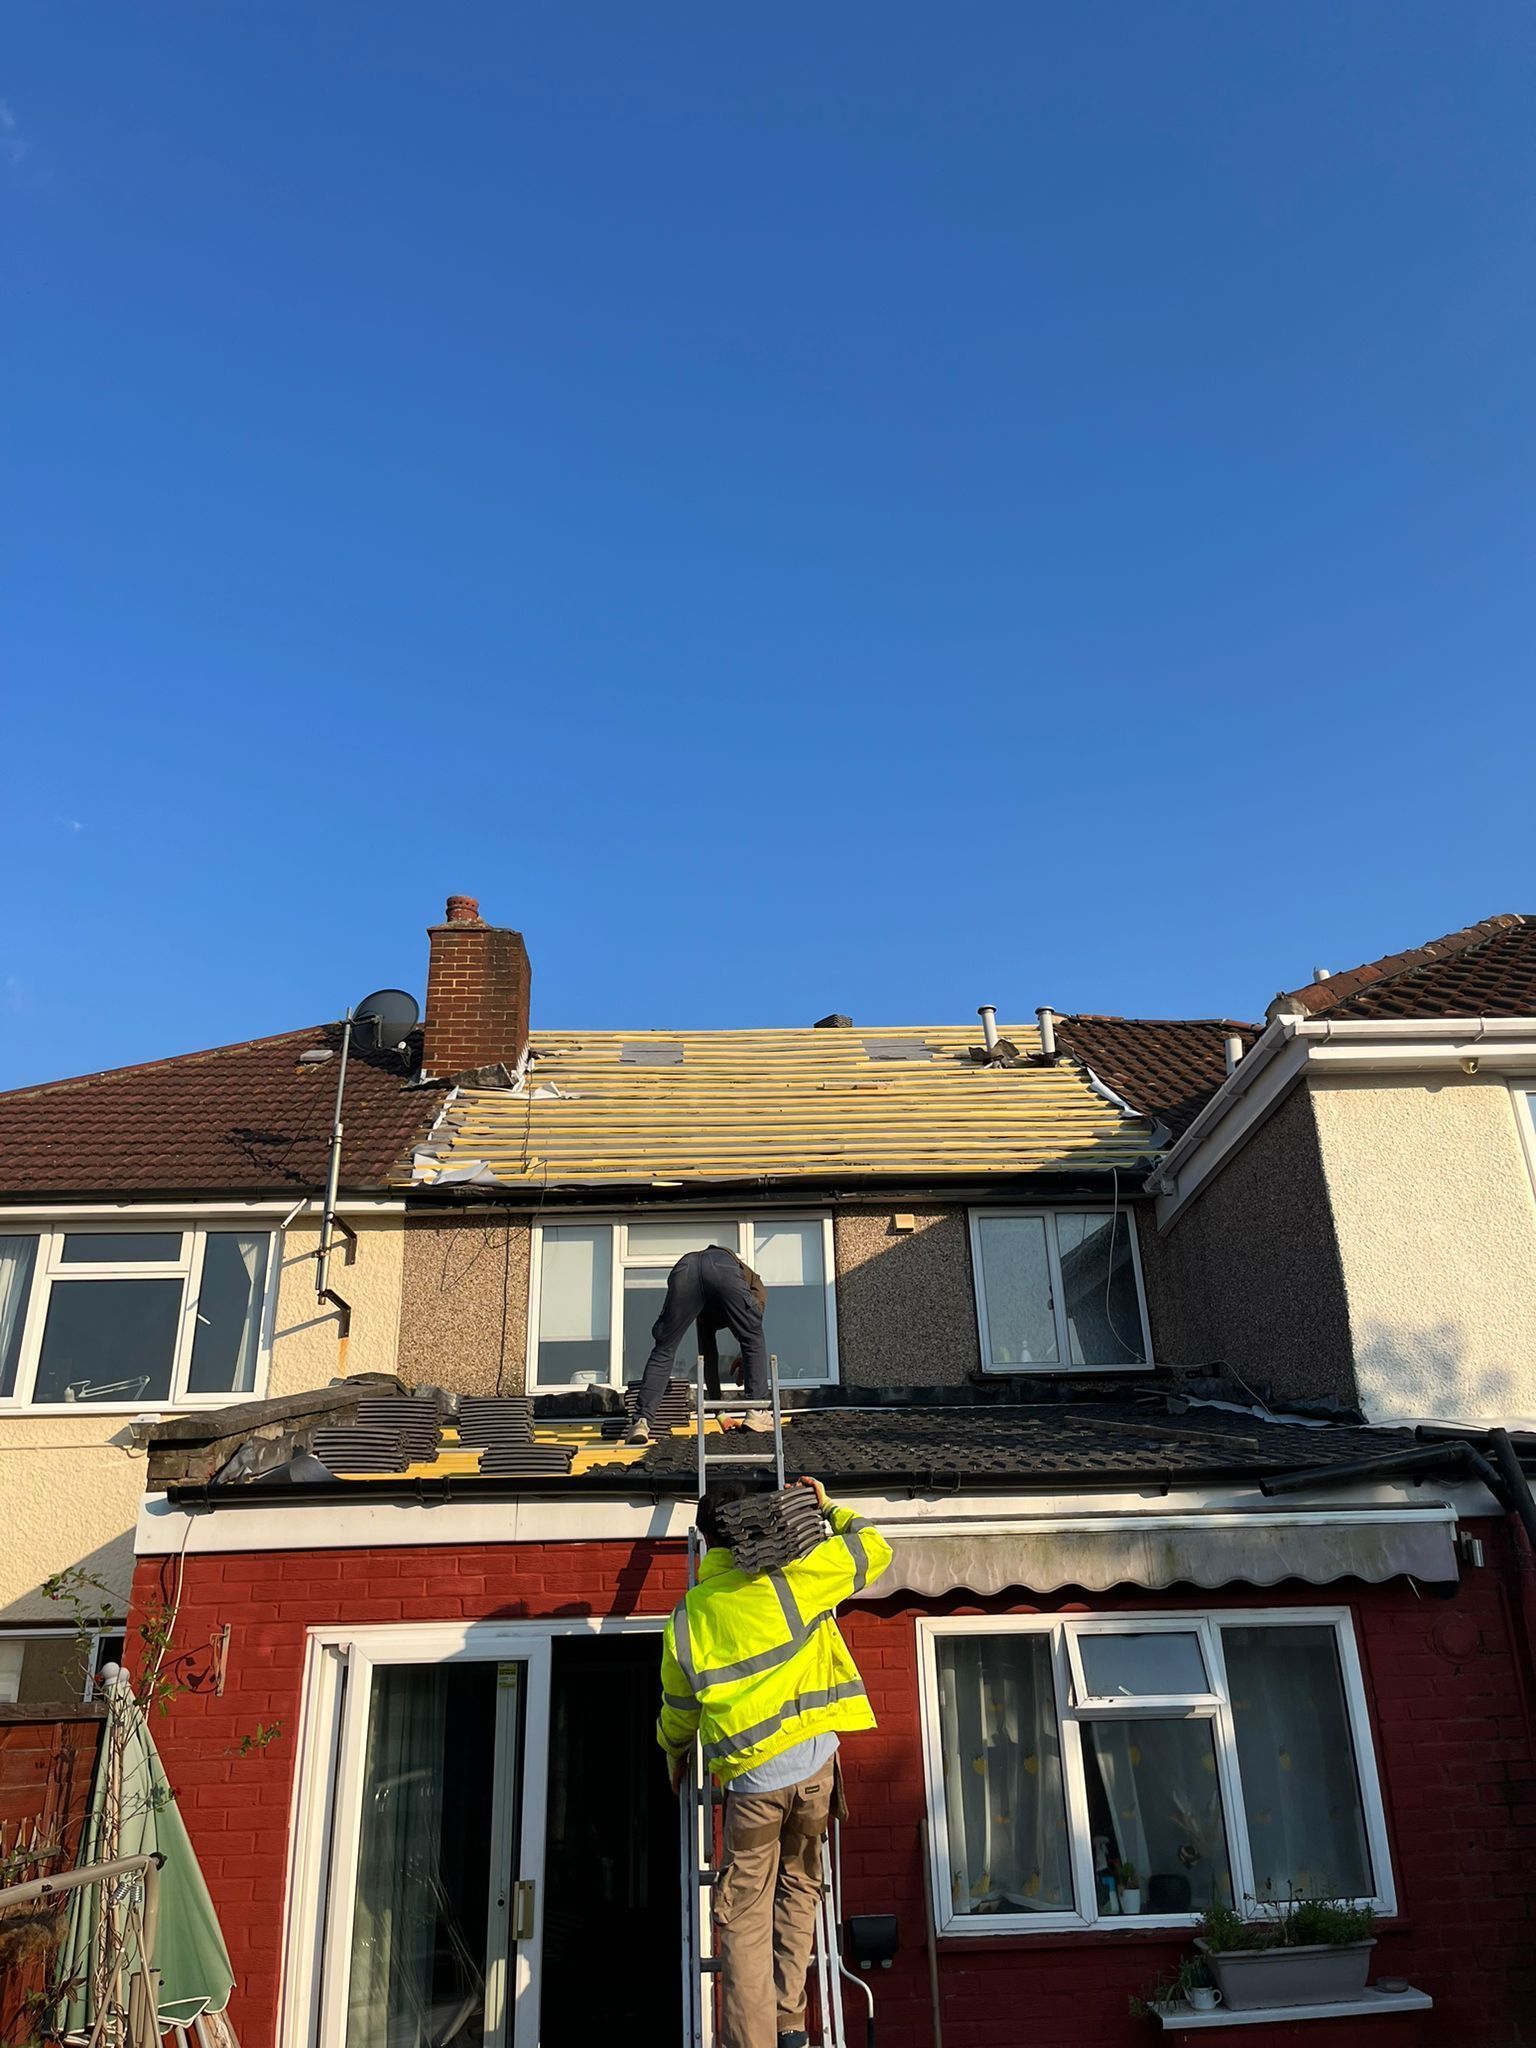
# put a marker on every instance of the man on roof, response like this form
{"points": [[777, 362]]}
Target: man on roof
{"points": [[717, 1291], [753, 1666]]}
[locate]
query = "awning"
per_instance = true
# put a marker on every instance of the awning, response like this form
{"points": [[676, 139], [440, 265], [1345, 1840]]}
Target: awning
{"points": [[1236, 1549]]}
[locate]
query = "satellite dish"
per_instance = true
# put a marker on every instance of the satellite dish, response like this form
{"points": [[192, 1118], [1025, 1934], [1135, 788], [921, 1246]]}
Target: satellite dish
{"points": [[385, 1020]]}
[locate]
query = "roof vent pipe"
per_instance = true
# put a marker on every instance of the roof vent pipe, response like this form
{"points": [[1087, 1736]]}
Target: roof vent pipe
{"points": [[1046, 1018], [1322, 974], [1233, 1046], [988, 1015]]}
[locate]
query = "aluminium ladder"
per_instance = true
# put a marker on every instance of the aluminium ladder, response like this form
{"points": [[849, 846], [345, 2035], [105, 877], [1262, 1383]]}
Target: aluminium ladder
{"points": [[699, 1797]]}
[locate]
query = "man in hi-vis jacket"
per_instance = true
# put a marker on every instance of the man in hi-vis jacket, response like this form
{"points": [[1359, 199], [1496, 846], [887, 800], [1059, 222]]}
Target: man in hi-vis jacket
{"points": [[753, 1664]]}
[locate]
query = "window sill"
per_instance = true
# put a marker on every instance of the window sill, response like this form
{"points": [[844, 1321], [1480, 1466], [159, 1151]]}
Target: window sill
{"points": [[1061, 1372], [1183, 2020], [1139, 1932], [12, 1411]]}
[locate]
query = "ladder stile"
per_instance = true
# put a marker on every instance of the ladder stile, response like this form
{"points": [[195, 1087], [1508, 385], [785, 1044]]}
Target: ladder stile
{"points": [[701, 1860]]}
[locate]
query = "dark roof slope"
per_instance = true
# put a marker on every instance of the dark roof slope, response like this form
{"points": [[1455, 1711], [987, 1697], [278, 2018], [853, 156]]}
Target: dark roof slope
{"points": [[1485, 970], [242, 1119], [1165, 1067]]}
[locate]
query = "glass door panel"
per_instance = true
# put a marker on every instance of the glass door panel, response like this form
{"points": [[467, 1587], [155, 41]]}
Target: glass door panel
{"points": [[441, 1899]]}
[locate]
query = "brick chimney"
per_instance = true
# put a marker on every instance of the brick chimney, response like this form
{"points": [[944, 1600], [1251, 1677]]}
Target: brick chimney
{"points": [[477, 994]]}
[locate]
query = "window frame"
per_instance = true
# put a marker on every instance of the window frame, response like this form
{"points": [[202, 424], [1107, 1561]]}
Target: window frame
{"points": [[617, 1223], [99, 1632], [50, 1267], [1062, 1363], [1073, 1716]]}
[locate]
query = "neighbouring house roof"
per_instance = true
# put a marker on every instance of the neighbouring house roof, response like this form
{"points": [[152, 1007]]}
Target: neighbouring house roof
{"points": [[1486, 970], [1165, 1067], [680, 1107], [243, 1119]]}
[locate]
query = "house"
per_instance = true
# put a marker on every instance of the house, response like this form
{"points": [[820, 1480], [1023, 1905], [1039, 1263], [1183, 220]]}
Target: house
{"points": [[1352, 1210], [1144, 1610]]}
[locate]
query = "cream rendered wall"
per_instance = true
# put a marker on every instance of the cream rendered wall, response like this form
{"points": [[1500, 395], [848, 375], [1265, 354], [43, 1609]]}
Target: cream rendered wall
{"points": [[70, 1484], [1435, 1213]]}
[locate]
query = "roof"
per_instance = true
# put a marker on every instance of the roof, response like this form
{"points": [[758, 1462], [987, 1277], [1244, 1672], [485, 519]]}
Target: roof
{"points": [[242, 1119], [795, 1104], [951, 1437], [1485, 970], [1165, 1067]]}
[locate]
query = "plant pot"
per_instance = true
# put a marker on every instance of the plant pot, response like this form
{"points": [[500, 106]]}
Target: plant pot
{"points": [[1251, 1978], [1130, 1902]]}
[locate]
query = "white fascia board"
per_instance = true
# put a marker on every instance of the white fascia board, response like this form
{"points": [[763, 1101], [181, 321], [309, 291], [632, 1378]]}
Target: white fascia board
{"points": [[168, 1531], [1339, 1046]]}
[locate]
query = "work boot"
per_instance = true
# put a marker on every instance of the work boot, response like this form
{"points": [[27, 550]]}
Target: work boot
{"points": [[638, 1432], [759, 1420], [799, 2039]]}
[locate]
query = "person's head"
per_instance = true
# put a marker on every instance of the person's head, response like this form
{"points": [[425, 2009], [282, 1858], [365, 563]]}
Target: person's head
{"points": [[707, 1516]]}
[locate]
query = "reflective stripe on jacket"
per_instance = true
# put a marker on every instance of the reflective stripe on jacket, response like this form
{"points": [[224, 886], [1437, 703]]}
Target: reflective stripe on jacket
{"points": [[754, 1662]]}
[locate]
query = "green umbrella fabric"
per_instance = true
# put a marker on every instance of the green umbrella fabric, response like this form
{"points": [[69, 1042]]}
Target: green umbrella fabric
{"points": [[133, 1812]]}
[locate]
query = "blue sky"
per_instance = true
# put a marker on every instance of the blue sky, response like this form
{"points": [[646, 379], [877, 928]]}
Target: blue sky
{"points": [[880, 507]]}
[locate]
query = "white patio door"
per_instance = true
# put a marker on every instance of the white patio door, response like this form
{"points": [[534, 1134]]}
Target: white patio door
{"points": [[433, 1903]]}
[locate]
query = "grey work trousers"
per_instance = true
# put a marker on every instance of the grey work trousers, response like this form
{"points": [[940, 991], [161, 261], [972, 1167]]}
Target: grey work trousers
{"points": [[709, 1288]]}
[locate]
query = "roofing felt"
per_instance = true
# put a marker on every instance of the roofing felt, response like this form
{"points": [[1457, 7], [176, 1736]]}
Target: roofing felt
{"points": [[792, 1104], [1485, 970], [1165, 1067], [242, 1119]]}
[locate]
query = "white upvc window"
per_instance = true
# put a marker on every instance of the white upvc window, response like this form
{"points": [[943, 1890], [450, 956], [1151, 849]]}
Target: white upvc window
{"points": [[54, 1666], [597, 1289], [142, 1315], [1058, 1290], [1086, 1771]]}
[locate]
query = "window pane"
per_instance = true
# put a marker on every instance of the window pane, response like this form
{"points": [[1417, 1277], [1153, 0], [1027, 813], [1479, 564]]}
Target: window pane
{"points": [[1098, 1284], [109, 1340], [18, 1256], [1154, 1802], [38, 1669], [228, 1315], [645, 1289], [1125, 1667], [1306, 1823], [788, 1259], [575, 1304], [1016, 1282], [422, 1903], [1003, 1793], [670, 1240], [121, 1247]]}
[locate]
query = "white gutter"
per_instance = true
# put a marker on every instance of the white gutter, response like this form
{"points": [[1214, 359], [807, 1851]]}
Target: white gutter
{"points": [[1345, 1045]]}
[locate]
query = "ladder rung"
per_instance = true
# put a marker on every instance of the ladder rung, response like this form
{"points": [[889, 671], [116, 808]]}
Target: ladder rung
{"points": [[744, 1458], [708, 1875], [711, 1965], [738, 1406]]}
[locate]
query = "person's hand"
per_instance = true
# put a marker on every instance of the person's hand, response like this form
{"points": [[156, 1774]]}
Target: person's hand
{"points": [[818, 1489], [678, 1772]]}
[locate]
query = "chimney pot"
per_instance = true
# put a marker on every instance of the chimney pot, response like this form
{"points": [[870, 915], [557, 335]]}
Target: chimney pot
{"points": [[463, 910]]}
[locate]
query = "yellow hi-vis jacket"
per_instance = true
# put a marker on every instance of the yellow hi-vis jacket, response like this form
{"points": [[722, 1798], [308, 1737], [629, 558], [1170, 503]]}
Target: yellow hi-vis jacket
{"points": [[753, 1662]]}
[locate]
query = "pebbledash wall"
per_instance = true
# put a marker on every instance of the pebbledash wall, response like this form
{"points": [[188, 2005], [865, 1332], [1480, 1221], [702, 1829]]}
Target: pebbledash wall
{"points": [[1446, 1681]]}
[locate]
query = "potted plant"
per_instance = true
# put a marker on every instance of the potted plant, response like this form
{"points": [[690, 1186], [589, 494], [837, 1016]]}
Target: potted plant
{"points": [[1312, 1952], [1128, 1880], [1188, 1986]]}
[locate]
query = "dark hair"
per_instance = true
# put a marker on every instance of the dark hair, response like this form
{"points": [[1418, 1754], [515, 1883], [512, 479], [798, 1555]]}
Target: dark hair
{"points": [[721, 1495]]}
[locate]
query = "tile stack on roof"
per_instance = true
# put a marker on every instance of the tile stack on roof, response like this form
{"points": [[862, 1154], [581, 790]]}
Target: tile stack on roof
{"points": [[751, 1105], [1165, 1067], [1486, 970], [245, 1119]]}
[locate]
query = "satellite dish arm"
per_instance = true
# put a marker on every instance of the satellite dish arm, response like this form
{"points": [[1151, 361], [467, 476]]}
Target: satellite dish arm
{"points": [[328, 1218]]}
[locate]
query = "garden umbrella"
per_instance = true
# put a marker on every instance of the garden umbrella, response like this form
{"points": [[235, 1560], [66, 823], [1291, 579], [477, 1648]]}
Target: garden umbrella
{"points": [[133, 1812]]}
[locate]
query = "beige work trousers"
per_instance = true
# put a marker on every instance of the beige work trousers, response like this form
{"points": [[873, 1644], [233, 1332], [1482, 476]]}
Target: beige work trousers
{"points": [[765, 1907]]}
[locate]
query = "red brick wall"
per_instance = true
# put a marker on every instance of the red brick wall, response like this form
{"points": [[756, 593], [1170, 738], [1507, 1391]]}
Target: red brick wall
{"points": [[1449, 1697]]}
